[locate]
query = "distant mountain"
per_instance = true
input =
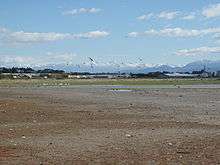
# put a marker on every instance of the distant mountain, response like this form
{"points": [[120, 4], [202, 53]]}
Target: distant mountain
{"points": [[194, 66], [198, 65], [161, 68], [210, 66]]}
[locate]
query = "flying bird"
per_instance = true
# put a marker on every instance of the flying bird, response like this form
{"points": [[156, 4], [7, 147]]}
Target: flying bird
{"points": [[91, 59], [92, 62]]}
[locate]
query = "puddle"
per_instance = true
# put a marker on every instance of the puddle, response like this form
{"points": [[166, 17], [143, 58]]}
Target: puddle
{"points": [[120, 90]]}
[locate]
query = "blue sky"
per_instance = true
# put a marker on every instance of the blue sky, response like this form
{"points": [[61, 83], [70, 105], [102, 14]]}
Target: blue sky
{"points": [[117, 31]]}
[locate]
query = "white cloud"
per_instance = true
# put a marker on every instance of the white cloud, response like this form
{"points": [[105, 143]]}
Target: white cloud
{"points": [[81, 11], [145, 17], [168, 14], [173, 32], [36, 37], [92, 34], [198, 51], [212, 11], [27, 37], [133, 34], [190, 16], [142, 17], [176, 32]]}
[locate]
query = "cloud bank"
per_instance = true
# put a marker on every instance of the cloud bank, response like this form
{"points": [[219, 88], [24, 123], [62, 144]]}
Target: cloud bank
{"points": [[198, 51], [81, 11], [168, 14], [190, 16], [37, 37], [175, 32], [212, 11], [145, 16]]}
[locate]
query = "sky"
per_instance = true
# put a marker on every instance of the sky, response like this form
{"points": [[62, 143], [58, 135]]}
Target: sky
{"points": [[125, 32]]}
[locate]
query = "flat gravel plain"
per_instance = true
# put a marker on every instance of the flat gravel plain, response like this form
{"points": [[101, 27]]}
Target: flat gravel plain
{"points": [[110, 125]]}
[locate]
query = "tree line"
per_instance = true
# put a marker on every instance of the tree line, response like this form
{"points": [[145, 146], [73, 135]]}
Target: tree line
{"points": [[28, 70]]}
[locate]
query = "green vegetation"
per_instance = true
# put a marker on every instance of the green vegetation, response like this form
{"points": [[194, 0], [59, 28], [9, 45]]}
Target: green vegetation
{"points": [[69, 82]]}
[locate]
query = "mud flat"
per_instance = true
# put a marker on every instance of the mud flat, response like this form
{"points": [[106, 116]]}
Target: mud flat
{"points": [[102, 125]]}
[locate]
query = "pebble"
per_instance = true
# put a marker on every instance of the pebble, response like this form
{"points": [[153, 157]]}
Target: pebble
{"points": [[128, 135], [170, 144]]}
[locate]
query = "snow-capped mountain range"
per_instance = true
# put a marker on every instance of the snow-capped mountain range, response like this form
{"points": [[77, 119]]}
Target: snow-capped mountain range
{"points": [[210, 66]]}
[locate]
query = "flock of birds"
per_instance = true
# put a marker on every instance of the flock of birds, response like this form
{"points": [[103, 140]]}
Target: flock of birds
{"points": [[92, 63]]}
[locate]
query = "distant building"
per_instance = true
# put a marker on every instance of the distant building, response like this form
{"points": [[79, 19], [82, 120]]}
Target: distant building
{"points": [[181, 75], [204, 74], [217, 74], [70, 76]]}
